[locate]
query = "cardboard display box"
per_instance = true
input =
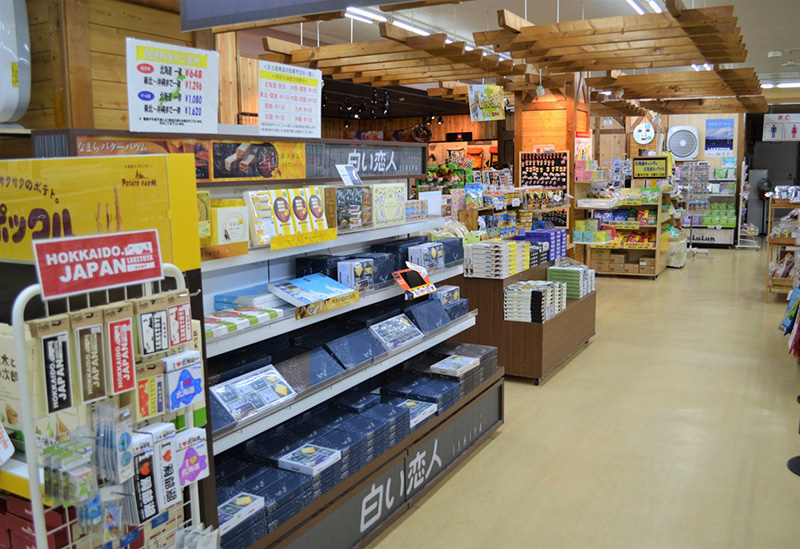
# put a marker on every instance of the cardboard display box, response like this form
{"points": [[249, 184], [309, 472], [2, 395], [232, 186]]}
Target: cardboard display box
{"points": [[632, 268]]}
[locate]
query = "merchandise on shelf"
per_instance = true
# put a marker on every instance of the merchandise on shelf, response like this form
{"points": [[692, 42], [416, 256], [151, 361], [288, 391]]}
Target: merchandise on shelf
{"points": [[589, 170], [496, 259], [389, 204], [547, 169], [580, 280], [534, 300], [555, 238], [348, 207], [311, 289]]}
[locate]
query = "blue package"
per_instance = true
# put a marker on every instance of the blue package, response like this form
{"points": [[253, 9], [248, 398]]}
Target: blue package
{"points": [[383, 266], [428, 315], [392, 414], [453, 249], [356, 401], [309, 369], [457, 309], [355, 349], [368, 426], [341, 440]]}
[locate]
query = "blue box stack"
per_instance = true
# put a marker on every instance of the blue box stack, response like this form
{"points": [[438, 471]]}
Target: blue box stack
{"points": [[557, 238], [444, 393]]}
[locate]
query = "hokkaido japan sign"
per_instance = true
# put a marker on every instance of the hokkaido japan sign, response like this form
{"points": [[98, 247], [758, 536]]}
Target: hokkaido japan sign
{"points": [[75, 265]]}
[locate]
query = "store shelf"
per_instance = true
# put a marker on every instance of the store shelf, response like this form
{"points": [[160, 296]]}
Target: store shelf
{"points": [[238, 339], [620, 206], [348, 238], [729, 179], [782, 242], [349, 379], [782, 283], [783, 204], [690, 226]]}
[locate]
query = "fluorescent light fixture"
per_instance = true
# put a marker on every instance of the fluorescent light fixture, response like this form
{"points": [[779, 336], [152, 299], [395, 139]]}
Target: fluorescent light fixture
{"points": [[636, 6], [468, 48], [655, 6], [606, 92], [706, 66], [411, 28], [767, 86], [448, 41], [789, 85], [695, 67], [367, 14], [358, 18]]}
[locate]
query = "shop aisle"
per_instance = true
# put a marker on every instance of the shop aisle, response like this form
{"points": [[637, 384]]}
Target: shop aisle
{"points": [[671, 429]]}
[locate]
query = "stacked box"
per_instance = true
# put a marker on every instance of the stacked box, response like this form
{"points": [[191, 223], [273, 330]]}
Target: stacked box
{"points": [[579, 279], [534, 300], [399, 249], [354, 349], [429, 255], [309, 369], [428, 315], [556, 238], [457, 309], [433, 365], [444, 393], [539, 252], [485, 353], [453, 249]]}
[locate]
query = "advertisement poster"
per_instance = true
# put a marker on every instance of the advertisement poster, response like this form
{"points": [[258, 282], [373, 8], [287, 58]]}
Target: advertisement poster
{"points": [[171, 88], [214, 161], [289, 100], [782, 127], [719, 137], [583, 145], [486, 103], [60, 197]]}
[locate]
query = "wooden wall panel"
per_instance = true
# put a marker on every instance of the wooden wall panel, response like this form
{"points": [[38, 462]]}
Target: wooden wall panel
{"points": [[41, 111], [333, 128], [111, 119], [15, 147], [699, 122], [248, 84], [132, 17], [112, 40], [228, 48]]}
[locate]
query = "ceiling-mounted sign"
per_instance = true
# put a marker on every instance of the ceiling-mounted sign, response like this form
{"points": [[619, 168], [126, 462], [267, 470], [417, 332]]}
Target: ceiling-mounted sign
{"points": [[289, 100], [782, 127], [486, 103], [644, 133], [171, 88], [204, 14], [650, 167]]}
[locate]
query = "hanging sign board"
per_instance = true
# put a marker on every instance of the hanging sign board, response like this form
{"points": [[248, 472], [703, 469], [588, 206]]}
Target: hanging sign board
{"points": [[650, 167], [486, 103], [77, 265], [289, 100], [171, 88]]}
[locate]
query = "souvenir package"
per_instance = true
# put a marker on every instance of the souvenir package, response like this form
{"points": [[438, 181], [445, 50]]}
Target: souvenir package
{"points": [[323, 263], [204, 217], [253, 393], [191, 457], [262, 223], [455, 366], [87, 327], [309, 369], [447, 294], [184, 381], [118, 320], [357, 274], [396, 332], [300, 211], [179, 312], [383, 266], [309, 459], [168, 492], [237, 509], [152, 325], [253, 296], [229, 221], [428, 315], [399, 249], [282, 212], [140, 491], [53, 335], [389, 204], [309, 289], [429, 255], [419, 411], [316, 208], [150, 390], [348, 207], [355, 349]]}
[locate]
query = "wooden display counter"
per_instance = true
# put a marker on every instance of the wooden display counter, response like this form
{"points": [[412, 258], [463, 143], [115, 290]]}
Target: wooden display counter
{"points": [[526, 349]]}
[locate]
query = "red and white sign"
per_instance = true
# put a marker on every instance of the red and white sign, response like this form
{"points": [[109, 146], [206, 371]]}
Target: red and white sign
{"points": [[120, 350], [76, 265]]}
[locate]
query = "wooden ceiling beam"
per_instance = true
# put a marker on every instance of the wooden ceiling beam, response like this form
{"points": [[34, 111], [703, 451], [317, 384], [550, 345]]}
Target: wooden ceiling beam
{"points": [[674, 7], [512, 22], [418, 4], [614, 47], [667, 52]]}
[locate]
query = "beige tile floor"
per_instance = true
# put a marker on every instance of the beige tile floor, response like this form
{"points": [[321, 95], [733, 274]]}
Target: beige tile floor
{"points": [[671, 429]]}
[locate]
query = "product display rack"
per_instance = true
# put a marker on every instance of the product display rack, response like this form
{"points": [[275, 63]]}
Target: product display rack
{"points": [[702, 203], [27, 414], [745, 240], [661, 243], [778, 247], [527, 349]]}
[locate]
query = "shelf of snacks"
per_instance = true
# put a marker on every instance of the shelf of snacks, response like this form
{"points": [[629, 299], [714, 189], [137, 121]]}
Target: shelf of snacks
{"points": [[322, 392], [782, 241], [275, 321]]}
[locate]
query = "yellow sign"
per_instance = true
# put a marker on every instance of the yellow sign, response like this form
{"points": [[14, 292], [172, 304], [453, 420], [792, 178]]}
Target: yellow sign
{"points": [[146, 53], [292, 240], [326, 305], [14, 75], [54, 197], [650, 167], [290, 78]]}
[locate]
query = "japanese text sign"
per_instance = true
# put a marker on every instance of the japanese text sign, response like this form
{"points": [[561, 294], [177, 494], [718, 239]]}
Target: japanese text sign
{"points": [[68, 266], [289, 100], [172, 88], [650, 168]]}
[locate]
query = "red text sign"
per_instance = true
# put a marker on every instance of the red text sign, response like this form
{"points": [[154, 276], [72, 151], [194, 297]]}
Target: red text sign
{"points": [[75, 265]]}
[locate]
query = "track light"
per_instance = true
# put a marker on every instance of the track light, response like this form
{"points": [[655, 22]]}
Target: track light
{"points": [[430, 114], [340, 110], [440, 120], [346, 122], [372, 114], [619, 93], [607, 121], [347, 104], [657, 119], [540, 91]]}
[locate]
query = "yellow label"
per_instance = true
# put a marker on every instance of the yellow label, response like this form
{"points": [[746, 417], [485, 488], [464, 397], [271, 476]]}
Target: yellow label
{"points": [[159, 55], [326, 305], [291, 78], [50, 198], [292, 240], [14, 75], [209, 253]]}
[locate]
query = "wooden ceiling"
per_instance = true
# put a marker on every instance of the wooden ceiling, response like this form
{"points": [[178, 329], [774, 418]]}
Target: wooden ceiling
{"points": [[403, 58]]}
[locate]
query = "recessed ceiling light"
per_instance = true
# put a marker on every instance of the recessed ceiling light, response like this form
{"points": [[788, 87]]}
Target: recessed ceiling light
{"points": [[767, 86], [636, 6], [774, 53], [789, 85]]}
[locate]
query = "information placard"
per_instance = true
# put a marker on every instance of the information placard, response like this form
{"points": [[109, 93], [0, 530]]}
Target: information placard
{"points": [[650, 167], [289, 100], [171, 88]]}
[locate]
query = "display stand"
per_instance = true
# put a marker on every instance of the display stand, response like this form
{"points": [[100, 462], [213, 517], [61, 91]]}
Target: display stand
{"points": [[777, 248], [27, 413], [526, 349], [745, 240]]}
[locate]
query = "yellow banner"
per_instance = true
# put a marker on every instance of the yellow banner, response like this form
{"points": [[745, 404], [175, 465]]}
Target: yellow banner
{"points": [[158, 55], [51, 198], [326, 305], [291, 78], [292, 240]]}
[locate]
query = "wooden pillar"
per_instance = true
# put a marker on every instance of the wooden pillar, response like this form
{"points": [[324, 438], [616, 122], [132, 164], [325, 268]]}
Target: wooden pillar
{"points": [[71, 64], [204, 39], [227, 45]]}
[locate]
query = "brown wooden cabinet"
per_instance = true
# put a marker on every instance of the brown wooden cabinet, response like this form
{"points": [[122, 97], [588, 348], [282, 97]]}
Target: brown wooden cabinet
{"points": [[526, 349]]}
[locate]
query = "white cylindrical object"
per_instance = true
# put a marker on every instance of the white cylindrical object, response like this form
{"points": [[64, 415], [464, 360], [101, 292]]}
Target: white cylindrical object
{"points": [[15, 60]]}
